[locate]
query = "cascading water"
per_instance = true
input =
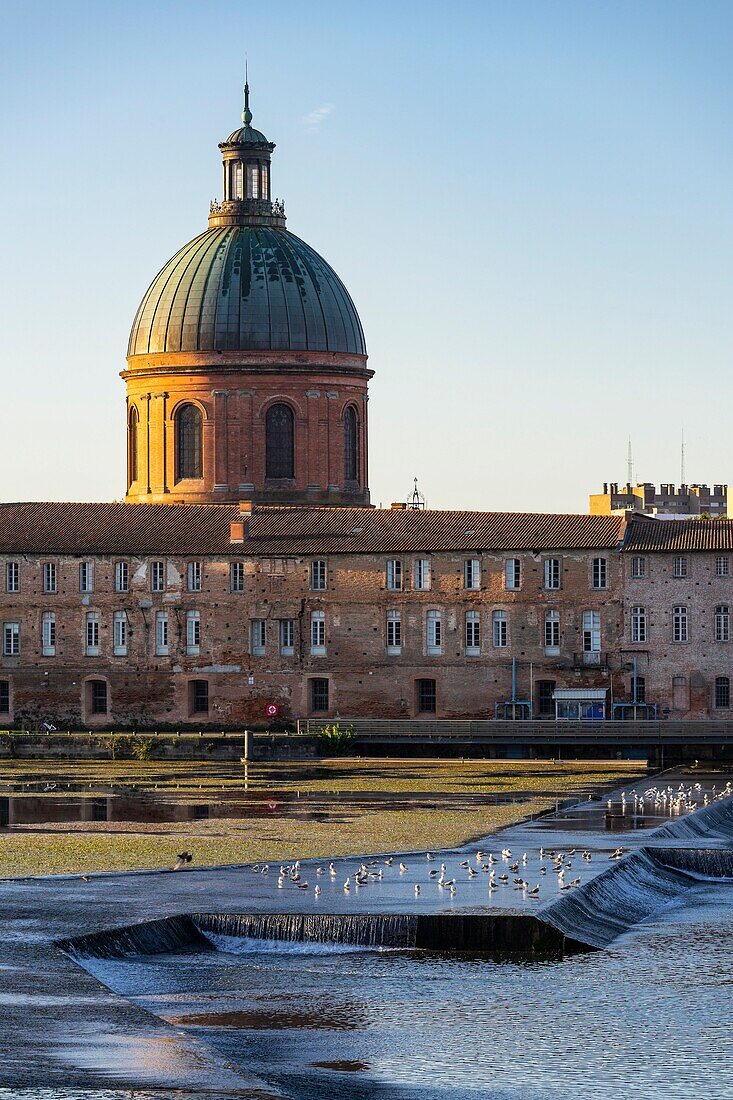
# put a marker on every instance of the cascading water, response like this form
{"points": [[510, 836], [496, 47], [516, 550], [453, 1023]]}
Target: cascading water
{"points": [[155, 937], [709, 823], [363, 930]]}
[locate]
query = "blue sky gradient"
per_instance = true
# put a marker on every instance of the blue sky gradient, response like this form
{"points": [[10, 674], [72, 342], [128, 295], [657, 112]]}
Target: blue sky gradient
{"points": [[530, 203]]}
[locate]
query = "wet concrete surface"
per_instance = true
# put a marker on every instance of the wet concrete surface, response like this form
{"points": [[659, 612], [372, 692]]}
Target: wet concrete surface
{"points": [[60, 1028]]}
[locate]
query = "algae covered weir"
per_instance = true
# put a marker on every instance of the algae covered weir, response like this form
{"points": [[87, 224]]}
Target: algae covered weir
{"points": [[577, 954]]}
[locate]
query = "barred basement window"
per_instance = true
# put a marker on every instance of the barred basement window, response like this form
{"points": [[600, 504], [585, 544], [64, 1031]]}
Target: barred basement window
{"points": [[12, 576], [48, 632], [188, 436], [513, 573], [552, 573], [638, 624], [279, 442], [122, 576], [394, 632], [194, 572], [198, 698], [319, 695], [426, 697], [679, 624], [722, 623], [600, 573], [722, 691], [318, 576], [50, 577], [351, 445]]}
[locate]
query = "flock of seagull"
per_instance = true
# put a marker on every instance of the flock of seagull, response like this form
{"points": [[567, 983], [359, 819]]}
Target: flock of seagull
{"points": [[502, 870], [667, 800]]}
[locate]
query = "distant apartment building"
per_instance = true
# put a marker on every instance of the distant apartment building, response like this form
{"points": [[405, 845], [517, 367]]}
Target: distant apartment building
{"points": [[669, 501]]}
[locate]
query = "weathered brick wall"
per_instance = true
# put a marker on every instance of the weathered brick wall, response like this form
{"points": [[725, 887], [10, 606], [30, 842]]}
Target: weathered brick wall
{"points": [[146, 689]]}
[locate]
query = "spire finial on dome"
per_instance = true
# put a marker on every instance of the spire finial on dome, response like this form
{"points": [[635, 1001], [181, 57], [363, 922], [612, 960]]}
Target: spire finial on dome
{"points": [[246, 113]]}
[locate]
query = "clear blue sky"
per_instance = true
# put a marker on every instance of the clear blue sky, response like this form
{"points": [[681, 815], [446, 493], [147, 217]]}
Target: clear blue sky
{"points": [[530, 202]]}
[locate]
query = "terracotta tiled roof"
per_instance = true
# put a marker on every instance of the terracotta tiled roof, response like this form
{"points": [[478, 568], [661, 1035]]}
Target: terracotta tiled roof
{"points": [[679, 534], [187, 529]]}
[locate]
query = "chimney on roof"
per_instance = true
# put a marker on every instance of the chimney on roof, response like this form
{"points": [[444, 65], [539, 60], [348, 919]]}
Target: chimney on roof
{"points": [[236, 531], [245, 507], [399, 506]]}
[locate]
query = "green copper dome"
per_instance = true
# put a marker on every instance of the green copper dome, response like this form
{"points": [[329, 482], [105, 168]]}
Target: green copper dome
{"points": [[247, 288], [247, 135]]}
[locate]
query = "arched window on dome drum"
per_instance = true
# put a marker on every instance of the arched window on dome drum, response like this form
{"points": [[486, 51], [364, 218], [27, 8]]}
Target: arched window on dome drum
{"points": [[279, 442], [132, 447], [351, 445], [188, 432]]}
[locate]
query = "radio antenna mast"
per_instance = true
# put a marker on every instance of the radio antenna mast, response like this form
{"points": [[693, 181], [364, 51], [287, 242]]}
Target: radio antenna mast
{"points": [[629, 466], [682, 458]]}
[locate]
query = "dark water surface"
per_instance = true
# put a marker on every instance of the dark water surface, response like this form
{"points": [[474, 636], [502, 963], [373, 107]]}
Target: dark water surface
{"points": [[648, 1017]]}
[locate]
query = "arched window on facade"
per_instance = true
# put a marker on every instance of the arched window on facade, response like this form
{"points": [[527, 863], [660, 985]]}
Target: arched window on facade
{"points": [[351, 445], [188, 433], [279, 442], [132, 443]]}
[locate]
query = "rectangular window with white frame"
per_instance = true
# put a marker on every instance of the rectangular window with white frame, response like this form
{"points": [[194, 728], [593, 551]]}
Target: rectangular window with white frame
{"points": [[193, 633], [287, 637], [591, 631], [318, 633], [194, 576], [50, 577], [638, 566], [722, 566], [86, 576], [434, 633], [600, 573], [161, 634], [48, 634], [122, 576], [257, 637], [394, 633], [92, 634], [680, 566], [157, 576], [679, 624], [394, 575], [12, 576], [236, 576], [552, 633], [11, 639], [319, 580], [473, 634], [500, 630], [472, 574], [638, 624], [552, 574], [512, 573], [421, 574], [722, 623], [119, 634]]}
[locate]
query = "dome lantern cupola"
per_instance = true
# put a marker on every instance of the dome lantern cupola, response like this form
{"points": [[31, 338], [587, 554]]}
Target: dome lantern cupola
{"points": [[246, 182]]}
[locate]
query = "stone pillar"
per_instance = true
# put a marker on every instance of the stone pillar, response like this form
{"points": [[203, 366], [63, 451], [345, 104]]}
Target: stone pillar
{"points": [[313, 408], [246, 442], [221, 443], [335, 443]]}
